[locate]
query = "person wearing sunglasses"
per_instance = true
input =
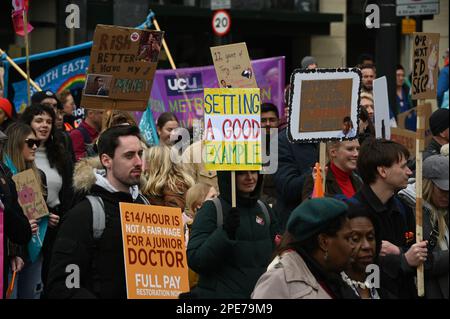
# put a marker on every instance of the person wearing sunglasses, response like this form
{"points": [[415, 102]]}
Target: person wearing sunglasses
{"points": [[19, 155], [54, 160]]}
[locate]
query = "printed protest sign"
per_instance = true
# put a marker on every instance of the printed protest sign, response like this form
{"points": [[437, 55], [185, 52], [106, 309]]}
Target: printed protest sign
{"points": [[323, 104], [233, 67], [122, 66], [154, 251], [232, 129], [425, 65], [29, 194], [405, 137], [381, 108]]}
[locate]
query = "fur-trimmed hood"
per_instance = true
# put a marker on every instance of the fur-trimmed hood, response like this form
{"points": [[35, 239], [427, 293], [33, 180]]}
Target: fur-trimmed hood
{"points": [[89, 172], [84, 174]]}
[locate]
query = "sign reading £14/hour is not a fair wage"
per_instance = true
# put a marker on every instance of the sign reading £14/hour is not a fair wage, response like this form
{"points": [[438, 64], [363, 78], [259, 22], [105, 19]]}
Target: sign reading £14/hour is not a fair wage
{"points": [[232, 129], [154, 251]]}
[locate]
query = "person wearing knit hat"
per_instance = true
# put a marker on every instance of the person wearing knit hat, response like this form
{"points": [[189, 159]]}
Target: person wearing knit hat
{"points": [[46, 97], [6, 113], [435, 199], [309, 62], [439, 128], [316, 247]]}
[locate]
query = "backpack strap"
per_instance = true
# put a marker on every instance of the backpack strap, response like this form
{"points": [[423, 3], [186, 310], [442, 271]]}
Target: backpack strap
{"points": [[265, 210], [98, 215], [219, 212], [86, 137], [144, 199]]}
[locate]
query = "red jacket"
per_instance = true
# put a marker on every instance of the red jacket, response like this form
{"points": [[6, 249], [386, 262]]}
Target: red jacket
{"points": [[78, 141]]}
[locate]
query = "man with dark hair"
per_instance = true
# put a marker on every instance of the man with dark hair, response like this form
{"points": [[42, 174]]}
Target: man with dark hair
{"points": [[439, 128], [383, 168], [367, 77], [96, 248], [366, 58]]}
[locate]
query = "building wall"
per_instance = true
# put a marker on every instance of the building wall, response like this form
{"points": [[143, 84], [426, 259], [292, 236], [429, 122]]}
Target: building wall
{"points": [[42, 38], [330, 51]]}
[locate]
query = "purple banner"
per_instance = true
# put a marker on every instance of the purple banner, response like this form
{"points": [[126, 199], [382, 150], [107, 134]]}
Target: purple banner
{"points": [[181, 91]]}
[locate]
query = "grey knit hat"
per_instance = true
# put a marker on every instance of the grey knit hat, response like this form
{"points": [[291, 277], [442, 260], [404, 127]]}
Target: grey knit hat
{"points": [[307, 61]]}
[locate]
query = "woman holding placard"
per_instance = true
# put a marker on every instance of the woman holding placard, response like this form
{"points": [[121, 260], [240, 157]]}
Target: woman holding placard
{"points": [[230, 248], [58, 168], [341, 176], [19, 155]]}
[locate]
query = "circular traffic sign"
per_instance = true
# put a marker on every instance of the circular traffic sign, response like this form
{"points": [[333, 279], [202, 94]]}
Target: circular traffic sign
{"points": [[221, 23]]}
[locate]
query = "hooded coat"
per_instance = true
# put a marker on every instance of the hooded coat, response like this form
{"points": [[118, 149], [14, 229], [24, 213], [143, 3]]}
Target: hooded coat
{"points": [[100, 261], [436, 267], [230, 268]]}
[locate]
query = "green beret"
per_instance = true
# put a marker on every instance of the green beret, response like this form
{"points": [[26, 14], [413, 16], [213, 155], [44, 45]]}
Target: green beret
{"points": [[313, 216]]}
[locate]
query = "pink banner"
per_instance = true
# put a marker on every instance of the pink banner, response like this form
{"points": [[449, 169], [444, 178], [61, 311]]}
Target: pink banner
{"points": [[1, 250]]}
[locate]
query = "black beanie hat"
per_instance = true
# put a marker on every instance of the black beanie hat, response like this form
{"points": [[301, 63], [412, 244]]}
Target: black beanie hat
{"points": [[439, 121]]}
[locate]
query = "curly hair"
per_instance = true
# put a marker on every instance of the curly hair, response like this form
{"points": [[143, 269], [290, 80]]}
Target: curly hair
{"points": [[54, 145]]}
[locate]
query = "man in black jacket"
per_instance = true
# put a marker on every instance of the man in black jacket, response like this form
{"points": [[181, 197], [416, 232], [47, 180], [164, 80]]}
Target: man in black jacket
{"points": [[382, 167], [99, 261]]}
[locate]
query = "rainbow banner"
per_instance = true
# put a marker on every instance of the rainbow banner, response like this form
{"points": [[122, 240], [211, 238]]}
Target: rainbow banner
{"points": [[57, 70]]}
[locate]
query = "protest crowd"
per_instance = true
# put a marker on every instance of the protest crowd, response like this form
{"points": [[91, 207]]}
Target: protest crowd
{"points": [[279, 240]]}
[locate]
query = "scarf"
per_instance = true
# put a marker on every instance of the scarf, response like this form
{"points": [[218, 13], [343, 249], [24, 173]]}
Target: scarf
{"points": [[343, 180]]}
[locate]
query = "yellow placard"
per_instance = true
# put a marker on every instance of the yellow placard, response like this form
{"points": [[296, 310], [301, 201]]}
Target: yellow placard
{"points": [[232, 129], [154, 251]]}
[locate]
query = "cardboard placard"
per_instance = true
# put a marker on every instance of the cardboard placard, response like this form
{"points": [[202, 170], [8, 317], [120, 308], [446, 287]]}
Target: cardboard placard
{"points": [[232, 129], [425, 65], [154, 251], [29, 194], [427, 111], [381, 108], [321, 103], [233, 66], [122, 66], [405, 137]]}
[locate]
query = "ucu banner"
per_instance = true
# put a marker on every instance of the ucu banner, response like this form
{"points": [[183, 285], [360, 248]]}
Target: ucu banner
{"points": [[182, 84]]}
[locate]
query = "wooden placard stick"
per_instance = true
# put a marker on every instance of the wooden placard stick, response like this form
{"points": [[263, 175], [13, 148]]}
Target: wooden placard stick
{"points": [[166, 48], [233, 189], [18, 69], [420, 146]]}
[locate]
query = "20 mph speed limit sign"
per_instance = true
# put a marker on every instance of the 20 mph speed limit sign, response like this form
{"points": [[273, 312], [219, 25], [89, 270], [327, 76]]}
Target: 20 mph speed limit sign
{"points": [[221, 23]]}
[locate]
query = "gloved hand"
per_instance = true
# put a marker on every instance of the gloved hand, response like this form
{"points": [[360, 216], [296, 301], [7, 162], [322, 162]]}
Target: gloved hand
{"points": [[232, 222]]}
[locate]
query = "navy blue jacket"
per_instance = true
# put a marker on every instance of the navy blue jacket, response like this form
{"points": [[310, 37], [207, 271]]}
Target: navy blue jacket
{"points": [[294, 160]]}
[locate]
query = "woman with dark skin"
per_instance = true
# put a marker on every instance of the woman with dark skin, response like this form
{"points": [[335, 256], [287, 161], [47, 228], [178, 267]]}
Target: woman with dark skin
{"points": [[315, 249], [367, 243]]}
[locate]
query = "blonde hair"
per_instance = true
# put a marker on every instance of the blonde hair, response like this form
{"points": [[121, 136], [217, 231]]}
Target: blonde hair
{"points": [[437, 214], [161, 172], [195, 196], [366, 95]]}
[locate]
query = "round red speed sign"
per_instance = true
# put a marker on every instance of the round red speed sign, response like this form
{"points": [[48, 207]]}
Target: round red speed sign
{"points": [[221, 23]]}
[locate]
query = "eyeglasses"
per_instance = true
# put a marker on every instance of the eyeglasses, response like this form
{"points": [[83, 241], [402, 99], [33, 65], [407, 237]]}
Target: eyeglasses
{"points": [[31, 141]]}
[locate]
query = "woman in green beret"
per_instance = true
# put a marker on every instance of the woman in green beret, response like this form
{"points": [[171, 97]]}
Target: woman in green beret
{"points": [[316, 247]]}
